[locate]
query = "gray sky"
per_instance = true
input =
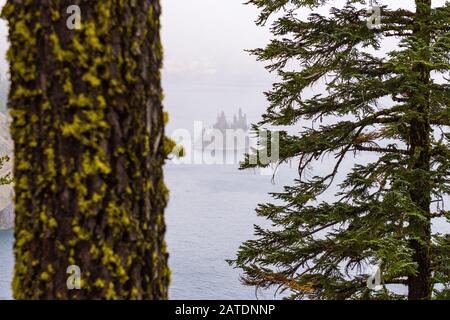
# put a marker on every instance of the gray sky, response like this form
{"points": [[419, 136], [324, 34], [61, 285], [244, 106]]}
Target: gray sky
{"points": [[207, 38]]}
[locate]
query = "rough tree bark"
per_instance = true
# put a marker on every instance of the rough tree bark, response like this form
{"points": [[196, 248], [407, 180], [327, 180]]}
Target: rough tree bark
{"points": [[88, 130], [419, 284]]}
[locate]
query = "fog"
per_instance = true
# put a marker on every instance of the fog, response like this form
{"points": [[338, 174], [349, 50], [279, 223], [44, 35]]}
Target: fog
{"points": [[207, 38]]}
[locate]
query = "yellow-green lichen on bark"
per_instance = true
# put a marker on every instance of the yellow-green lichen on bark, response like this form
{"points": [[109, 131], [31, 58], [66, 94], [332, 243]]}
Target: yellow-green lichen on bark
{"points": [[88, 128]]}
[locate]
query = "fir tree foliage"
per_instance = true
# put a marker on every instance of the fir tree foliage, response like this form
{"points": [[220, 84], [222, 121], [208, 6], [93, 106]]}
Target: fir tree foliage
{"points": [[384, 102]]}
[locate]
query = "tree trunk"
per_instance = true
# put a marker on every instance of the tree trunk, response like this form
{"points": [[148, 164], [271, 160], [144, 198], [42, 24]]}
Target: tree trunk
{"points": [[88, 131], [419, 284]]}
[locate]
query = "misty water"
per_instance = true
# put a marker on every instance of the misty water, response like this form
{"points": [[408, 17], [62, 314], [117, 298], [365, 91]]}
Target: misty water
{"points": [[6, 263]]}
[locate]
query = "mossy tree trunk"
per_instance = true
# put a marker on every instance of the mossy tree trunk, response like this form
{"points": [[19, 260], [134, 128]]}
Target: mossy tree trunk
{"points": [[89, 131]]}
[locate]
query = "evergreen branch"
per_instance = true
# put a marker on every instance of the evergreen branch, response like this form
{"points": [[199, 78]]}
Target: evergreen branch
{"points": [[382, 212], [380, 150]]}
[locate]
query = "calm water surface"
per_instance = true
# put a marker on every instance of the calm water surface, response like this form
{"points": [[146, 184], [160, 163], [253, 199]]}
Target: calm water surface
{"points": [[6, 263]]}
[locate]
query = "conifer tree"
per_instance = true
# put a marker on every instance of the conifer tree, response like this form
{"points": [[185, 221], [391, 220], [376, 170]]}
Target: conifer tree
{"points": [[385, 108], [88, 128]]}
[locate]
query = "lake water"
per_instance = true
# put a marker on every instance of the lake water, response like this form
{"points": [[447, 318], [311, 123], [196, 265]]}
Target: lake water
{"points": [[211, 212], [6, 263]]}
